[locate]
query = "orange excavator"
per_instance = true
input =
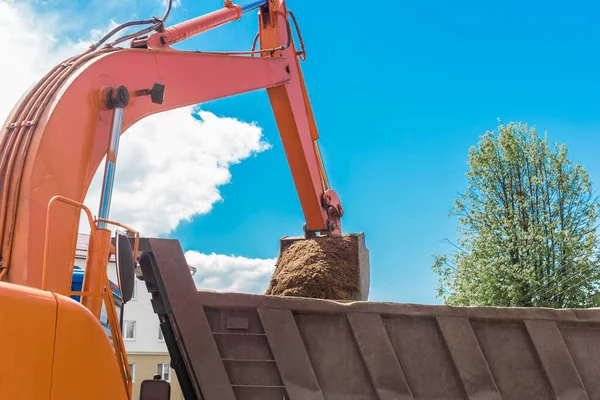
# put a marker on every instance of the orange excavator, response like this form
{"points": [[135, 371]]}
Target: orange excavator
{"points": [[225, 346], [82, 106]]}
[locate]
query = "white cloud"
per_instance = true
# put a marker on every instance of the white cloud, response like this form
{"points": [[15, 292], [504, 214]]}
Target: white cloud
{"points": [[175, 4], [231, 274], [170, 166], [34, 47]]}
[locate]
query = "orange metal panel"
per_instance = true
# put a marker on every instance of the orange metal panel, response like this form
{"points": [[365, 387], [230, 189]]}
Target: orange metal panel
{"points": [[27, 324], [85, 365]]}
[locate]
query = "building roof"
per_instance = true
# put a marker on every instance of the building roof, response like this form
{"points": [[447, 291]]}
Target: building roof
{"points": [[81, 250]]}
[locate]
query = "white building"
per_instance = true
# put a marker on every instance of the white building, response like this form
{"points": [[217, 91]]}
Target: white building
{"points": [[145, 346]]}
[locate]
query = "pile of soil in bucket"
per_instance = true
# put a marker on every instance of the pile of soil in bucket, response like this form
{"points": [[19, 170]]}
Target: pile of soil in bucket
{"points": [[323, 267]]}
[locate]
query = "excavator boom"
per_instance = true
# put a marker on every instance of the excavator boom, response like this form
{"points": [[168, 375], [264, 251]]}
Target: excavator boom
{"points": [[69, 110]]}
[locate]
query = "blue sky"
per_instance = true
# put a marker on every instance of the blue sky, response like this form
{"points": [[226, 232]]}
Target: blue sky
{"points": [[400, 92]]}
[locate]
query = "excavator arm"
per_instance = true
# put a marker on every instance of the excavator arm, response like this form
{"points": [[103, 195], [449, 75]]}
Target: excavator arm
{"points": [[55, 138]]}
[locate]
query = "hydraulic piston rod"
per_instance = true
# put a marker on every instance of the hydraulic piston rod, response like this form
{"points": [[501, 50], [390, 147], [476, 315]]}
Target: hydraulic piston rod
{"points": [[116, 99], [111, 165], [253, 5], [177, 33]]}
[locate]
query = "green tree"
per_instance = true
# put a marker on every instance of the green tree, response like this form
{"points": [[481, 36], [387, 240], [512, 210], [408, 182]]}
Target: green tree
{"points": [[527, 224]]}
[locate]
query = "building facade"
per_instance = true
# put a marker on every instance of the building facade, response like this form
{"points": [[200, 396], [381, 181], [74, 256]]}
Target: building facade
{"points": [[145, 346]]}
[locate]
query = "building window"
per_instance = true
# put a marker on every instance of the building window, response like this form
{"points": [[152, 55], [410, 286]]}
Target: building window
{"points": [[132, 370], [129, 330], [164, 371], [134, 292], [161, 338]]}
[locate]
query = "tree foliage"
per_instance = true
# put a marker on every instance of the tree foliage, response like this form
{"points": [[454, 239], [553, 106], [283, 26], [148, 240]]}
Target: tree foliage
{"points": [[527, 227]]}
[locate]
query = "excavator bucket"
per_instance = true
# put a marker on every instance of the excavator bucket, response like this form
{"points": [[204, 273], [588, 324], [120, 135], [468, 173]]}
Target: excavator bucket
{"points": [[323, 267]]}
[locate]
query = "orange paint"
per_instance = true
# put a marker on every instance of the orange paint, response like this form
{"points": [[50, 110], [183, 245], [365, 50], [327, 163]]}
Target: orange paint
{"points": [[58, 349], [27, 323], [296, 123], [84, 364], [93, 279]]}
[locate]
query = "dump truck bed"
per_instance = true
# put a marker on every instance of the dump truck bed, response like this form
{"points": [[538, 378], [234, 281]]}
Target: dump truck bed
{"points": [[230, 346]]}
